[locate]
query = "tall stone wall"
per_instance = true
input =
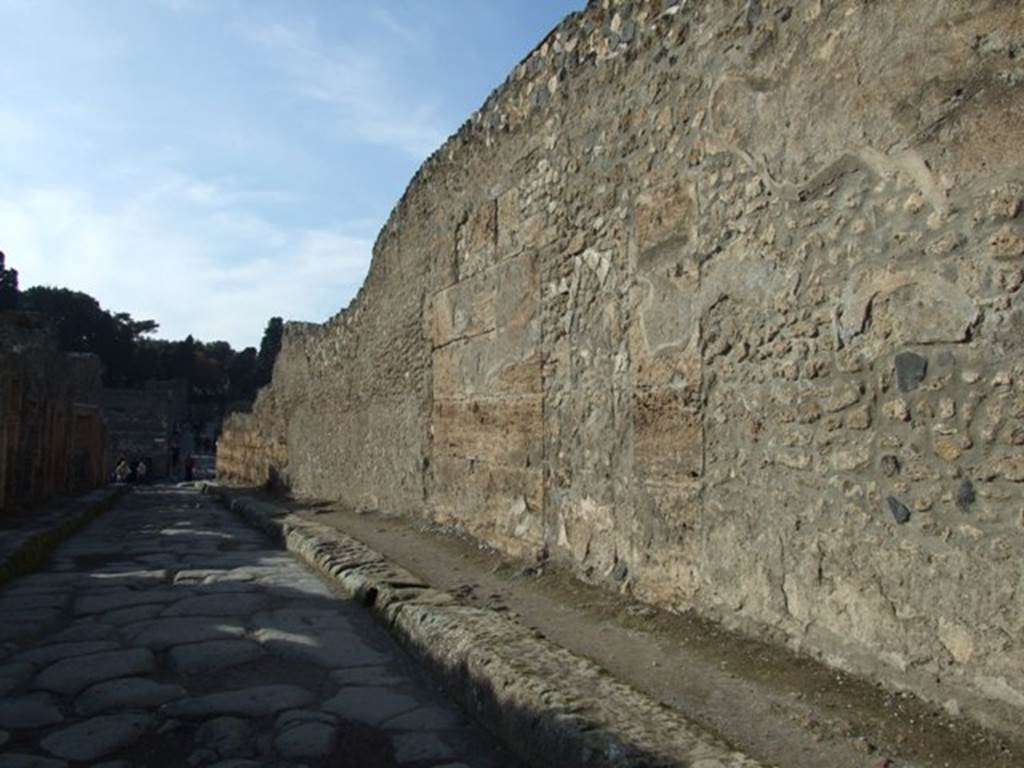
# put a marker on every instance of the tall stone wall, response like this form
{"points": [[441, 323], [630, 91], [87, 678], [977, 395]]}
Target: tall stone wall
{"points": [[52, 434], [720, 302]]}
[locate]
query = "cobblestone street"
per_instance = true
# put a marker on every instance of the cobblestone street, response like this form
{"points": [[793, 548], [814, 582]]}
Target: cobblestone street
{"points": [[169, 633]]}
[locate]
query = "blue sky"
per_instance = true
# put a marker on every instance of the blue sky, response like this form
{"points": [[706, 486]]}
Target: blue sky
{"points": [[211, 163]]}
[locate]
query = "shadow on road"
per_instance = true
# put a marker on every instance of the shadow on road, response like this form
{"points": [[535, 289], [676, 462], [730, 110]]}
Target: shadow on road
{"points": [[169, 633]]}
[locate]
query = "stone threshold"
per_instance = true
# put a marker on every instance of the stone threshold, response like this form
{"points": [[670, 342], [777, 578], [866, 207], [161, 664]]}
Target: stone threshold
{"points": [[549, 705]]}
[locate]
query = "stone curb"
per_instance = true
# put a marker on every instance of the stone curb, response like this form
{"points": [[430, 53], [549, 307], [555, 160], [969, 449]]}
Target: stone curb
{"points": [[31, 548], [550, 706]]}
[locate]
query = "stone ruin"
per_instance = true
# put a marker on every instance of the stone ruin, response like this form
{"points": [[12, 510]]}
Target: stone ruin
{"points": [[52, 433], [719, 302]]}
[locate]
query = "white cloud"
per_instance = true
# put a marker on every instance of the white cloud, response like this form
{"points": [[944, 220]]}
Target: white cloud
{"points": [[180, 254], [354, 83]]}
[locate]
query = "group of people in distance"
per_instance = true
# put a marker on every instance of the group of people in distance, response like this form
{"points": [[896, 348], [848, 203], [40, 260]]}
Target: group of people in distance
{"points": [[140, 470], [134, 471]]}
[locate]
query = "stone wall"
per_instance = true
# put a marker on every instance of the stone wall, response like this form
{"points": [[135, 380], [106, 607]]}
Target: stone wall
{"points": [[721, 303], [140, 424], [52, 434]]}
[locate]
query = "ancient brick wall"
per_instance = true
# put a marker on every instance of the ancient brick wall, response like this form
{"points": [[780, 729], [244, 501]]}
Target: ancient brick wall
{"points": [[52, 434], [721, 303]]}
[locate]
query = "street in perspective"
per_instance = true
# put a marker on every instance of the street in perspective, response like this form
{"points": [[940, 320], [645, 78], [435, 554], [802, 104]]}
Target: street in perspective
{"points": [[169, 633]]}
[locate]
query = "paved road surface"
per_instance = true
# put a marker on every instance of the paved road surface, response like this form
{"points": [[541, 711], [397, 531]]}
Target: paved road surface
{"points": [[168, 633]]}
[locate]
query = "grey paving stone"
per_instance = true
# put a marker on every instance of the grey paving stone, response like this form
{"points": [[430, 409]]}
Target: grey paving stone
{"points": [[301, 620], [379, 675], [127, 693], [370, 705], [45, 581], [97, 737], [209, 576], [309, 739], [133, 615], [290, 583], [129, 576], [72, 675], [200, 757], [81, 632], [213, 655], [161, 559], [294, 716], [328, 649], [18, 630], [16, 670], [247, 702], [165, 633], [47, 654], [33, 710], [10, 603], [227, 736], [431, 717], [29, 761], [113, 600], [218, 605], [12, 675], [414, 747], [224, 587], [31, 615]]}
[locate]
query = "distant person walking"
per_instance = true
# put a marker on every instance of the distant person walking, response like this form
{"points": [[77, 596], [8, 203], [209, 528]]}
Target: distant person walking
{"points": [[141, 471], [121, 471], [190, 465]]}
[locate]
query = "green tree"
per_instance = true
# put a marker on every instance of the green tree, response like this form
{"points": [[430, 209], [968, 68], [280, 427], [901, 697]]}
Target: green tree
{"points": [[8, 286], [84, 326], [270, 346], [242, 374]]}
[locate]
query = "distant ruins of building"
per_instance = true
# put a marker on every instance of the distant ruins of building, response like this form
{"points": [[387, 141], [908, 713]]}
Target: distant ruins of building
{"points": [[141, 423], [52, 433], [721, 303], [61, 430]]}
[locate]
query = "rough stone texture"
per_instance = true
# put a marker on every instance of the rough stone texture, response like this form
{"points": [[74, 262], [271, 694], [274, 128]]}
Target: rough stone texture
{"points": [[33, 710], [227, 736], [553, 707], [247, 702], [644, 312], [52, 433], [213, 655], [126, 693], [97, 737], [29, 761], [72, 675]]}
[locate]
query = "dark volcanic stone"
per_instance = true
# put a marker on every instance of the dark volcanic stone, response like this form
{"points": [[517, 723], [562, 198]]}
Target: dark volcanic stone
{"points": [[911, 368], [900, 513], [965, 495]]}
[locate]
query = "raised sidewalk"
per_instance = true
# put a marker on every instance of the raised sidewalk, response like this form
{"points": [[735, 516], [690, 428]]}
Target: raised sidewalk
{"points": [[553, 707], [26, 540]]}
